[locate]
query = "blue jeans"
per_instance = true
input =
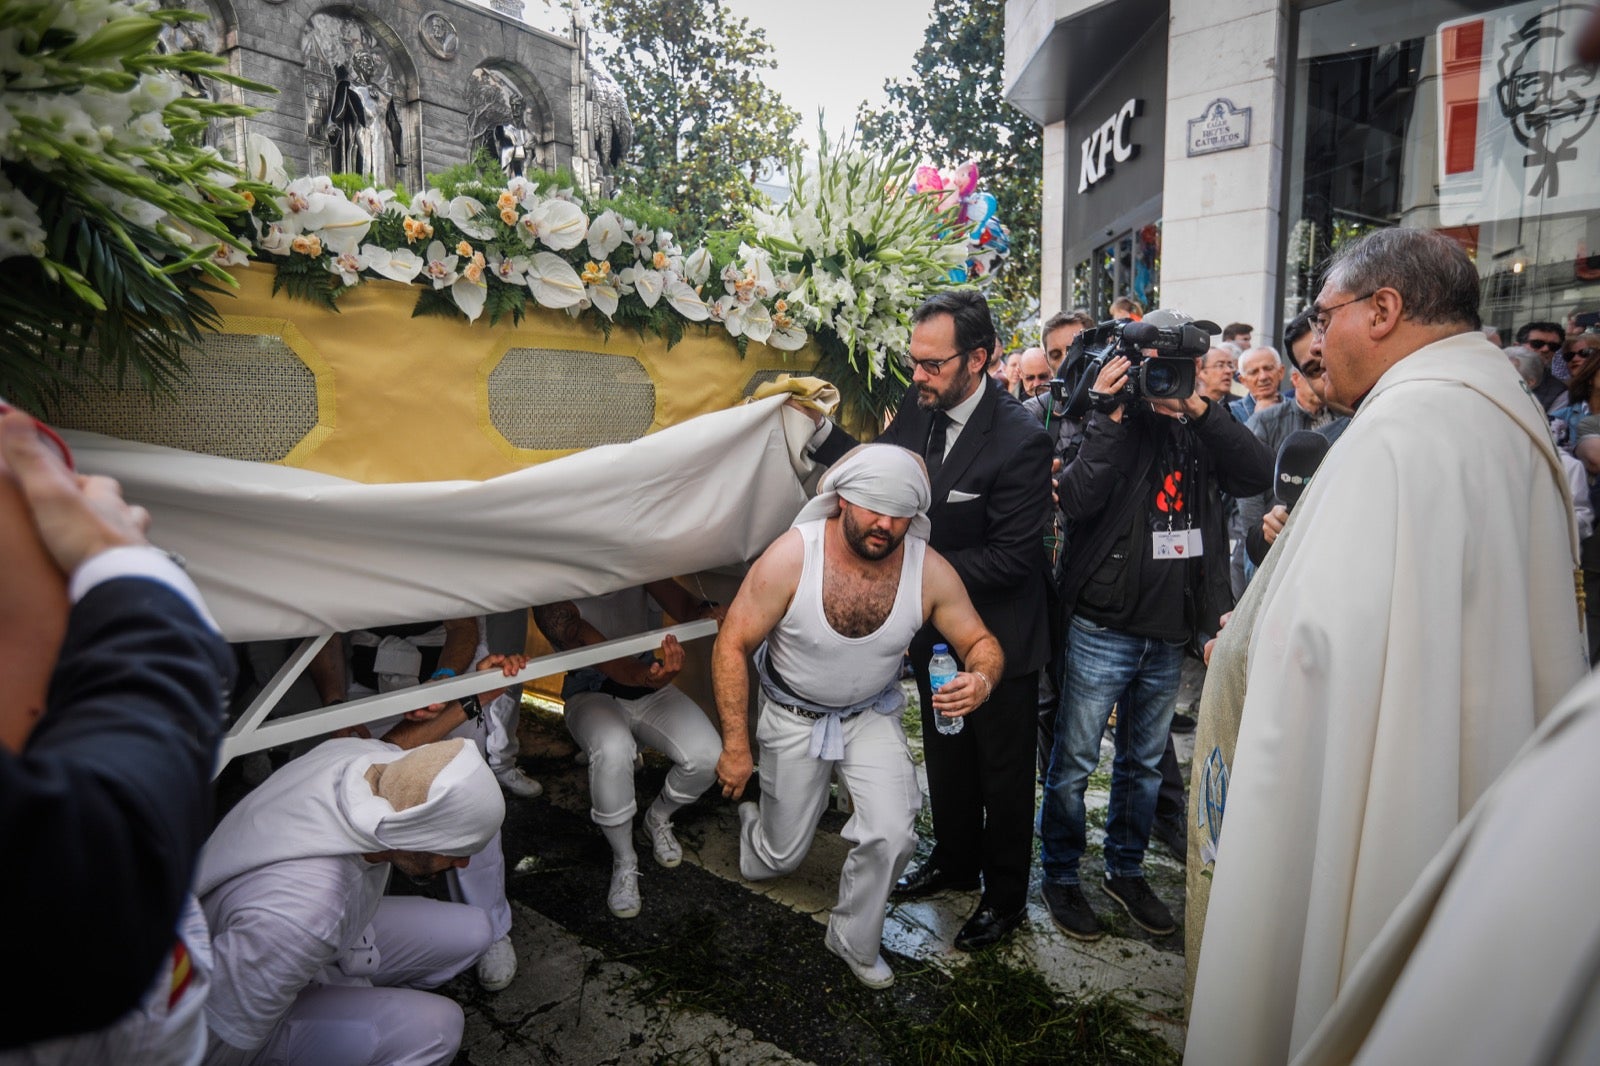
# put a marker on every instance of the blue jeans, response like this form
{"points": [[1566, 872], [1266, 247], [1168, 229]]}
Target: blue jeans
{"points": [[1103, 667]]}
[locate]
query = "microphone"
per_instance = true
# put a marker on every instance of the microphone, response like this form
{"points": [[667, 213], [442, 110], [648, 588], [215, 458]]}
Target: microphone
{"points": [[1298, 459], [1141, 334]]}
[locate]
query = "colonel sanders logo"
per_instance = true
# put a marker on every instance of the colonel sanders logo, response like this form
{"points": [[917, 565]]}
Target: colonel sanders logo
{"points": [[1548, 96]]}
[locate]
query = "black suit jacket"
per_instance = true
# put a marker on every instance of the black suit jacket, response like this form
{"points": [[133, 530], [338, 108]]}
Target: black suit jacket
{"points": [[993, 532], [104, 812]]}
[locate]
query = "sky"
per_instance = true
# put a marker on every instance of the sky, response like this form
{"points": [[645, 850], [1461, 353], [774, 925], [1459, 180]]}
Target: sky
{"points": [[831, 54]]}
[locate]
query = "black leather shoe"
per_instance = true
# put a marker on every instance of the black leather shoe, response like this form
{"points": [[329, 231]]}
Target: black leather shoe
{"points": [[927, 879], [987, 928]]}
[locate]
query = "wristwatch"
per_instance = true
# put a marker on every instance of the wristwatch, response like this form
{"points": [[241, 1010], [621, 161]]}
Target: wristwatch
{"points": [[471, 707]]}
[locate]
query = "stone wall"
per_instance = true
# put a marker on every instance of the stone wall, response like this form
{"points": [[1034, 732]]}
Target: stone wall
{"points": [[401, 87]]}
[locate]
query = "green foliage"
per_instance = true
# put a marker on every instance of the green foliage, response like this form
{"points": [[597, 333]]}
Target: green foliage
{"points": [[482, 171], [306, 278], [950, 110], [350, 184], [704, 124]]}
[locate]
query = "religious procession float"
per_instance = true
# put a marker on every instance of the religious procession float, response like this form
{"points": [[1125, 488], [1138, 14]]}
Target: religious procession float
{"points": [[340, 401]]}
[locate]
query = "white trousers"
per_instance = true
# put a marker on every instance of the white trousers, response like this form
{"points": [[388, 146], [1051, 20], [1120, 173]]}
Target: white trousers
{"points": [[483, 883], [666, 720], [878, 771], [422, 943]]}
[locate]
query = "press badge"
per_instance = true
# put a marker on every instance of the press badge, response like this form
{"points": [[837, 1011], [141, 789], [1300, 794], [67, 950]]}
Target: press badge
{"points": [[1176, 543]]}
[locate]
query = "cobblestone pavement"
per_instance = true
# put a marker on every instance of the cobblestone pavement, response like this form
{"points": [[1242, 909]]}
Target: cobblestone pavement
{"points": [[717, 970]]}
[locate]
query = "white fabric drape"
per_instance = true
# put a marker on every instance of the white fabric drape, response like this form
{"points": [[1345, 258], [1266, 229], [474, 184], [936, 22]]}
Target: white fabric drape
{"points": [[282, 552]]}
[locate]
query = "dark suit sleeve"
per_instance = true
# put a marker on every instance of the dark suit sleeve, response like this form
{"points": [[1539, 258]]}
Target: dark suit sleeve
{"points": [[1242, 463], [107, 807], [1018, 511]]}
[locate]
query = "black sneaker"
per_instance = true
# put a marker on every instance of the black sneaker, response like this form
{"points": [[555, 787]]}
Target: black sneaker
{"points": [[1147, 912], [1071, 911], [1172, 831]]}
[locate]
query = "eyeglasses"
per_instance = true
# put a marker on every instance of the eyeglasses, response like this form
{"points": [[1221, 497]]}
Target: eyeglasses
{"points": [[933, 367], [1549, 346], [1324, 316], [48, 435]]}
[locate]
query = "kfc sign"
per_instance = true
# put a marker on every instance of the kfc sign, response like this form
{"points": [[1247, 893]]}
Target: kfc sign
{"points": [[1107, 144]]}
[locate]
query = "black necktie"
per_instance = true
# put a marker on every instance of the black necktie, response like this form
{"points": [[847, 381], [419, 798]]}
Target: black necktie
{"points": [[937, 435]]}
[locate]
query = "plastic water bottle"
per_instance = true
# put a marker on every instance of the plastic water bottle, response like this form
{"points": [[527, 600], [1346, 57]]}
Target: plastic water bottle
{"points": [[941, 668]]}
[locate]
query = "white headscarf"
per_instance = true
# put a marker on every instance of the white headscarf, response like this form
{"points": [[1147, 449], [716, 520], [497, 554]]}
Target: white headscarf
{"points": [[884, 478], [323, 804]]}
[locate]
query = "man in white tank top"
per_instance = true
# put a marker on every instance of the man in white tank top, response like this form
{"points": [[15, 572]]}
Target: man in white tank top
{"points": [[828, 611]]}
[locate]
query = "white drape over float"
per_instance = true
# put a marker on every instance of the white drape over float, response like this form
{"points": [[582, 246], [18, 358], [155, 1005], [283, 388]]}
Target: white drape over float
{"points": [[282, 552]]}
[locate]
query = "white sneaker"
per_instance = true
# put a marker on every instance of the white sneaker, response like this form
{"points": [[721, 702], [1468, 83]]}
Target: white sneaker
{"points": [[663, 844], [878, 975], [518, 783], [498, 965], [623, 898]]}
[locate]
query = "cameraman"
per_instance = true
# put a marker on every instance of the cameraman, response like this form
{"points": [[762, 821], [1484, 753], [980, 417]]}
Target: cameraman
{"points": [[1146, 575]]}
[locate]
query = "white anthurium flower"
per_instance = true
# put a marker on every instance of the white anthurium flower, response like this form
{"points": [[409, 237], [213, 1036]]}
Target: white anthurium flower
{"points": [[757, 323], [647, 283], [511, 269], [263, 160], [396, 264], [789, 339], [730, 312], [553, 282], [464, 212], [560, 224], [697, 268], [440, 265], [684, 300], [605, 235], [470, 295], [347, 265], [341, 225], [604, 295]]}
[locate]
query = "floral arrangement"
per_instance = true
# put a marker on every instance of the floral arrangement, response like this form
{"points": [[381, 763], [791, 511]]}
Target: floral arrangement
{"points": [[111, 207]]}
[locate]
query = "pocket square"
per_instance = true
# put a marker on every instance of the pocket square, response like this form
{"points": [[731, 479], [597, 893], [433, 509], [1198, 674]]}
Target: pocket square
{"points": [[957, 496]]}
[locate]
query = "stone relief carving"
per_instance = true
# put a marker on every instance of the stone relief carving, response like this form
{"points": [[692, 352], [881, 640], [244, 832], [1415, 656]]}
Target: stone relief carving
{"points": [[503, 122], [352, 105], [609, 118], [439, 35]]}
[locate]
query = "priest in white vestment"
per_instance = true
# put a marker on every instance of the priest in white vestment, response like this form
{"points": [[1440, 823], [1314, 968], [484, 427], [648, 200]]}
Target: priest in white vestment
{"points": [[1419, 624]]}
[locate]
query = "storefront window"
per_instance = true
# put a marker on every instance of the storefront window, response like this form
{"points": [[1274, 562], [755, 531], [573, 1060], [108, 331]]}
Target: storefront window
{"points": [[1461, 116], [1127, 265]]}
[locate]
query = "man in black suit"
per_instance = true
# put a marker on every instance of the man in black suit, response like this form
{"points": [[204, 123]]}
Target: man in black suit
{"points": [[108, 801], [989, 461]]}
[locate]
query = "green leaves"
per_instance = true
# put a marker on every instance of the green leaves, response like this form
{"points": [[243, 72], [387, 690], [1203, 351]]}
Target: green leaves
{"points": [[704, 124]]}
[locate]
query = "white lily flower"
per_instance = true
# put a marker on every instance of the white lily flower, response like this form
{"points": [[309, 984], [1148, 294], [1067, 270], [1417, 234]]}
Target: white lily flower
{"points": [[553, 282], [730, 313], [684, 300], [427, 204], [470, 295], [397, 264], [464, 212], [605, 235], [510, 269], [347, 265], [374, 201], [440, 265]]}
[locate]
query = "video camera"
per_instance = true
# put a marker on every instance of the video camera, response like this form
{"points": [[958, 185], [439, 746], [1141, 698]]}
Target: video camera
{"points": [[1168, 375]]}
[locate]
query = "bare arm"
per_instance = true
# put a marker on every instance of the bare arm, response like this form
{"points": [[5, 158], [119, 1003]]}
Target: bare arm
{"points": [[566, 629], [414, 732], [950, 609], [763, 598], [681, 604]]}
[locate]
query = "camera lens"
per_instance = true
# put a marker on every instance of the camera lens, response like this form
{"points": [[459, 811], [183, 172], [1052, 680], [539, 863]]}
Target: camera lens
{"points": [[1160, 380]]}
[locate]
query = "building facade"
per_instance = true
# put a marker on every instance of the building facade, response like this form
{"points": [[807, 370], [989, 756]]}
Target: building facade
{"points": [[1208, 156], [400, 89]]}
